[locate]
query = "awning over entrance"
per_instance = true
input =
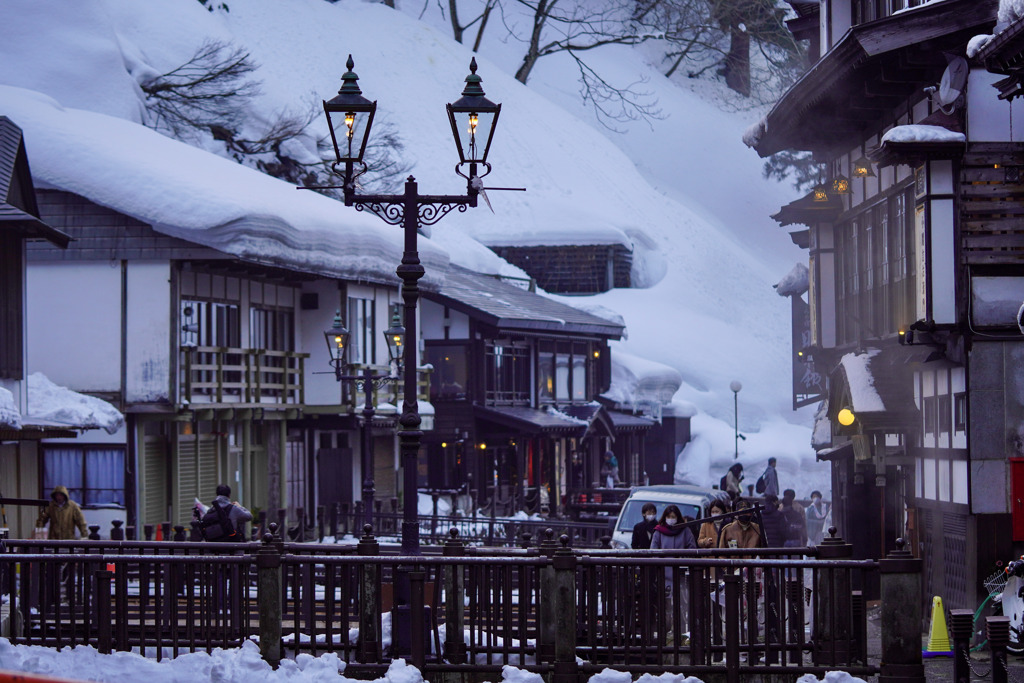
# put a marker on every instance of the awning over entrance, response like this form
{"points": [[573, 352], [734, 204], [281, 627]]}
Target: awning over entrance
{"points": [[627, 422], [573, 421]]}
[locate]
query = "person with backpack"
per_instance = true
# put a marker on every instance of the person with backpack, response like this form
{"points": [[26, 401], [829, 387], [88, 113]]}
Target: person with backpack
{"points": [[224, 520], [768, 483]]}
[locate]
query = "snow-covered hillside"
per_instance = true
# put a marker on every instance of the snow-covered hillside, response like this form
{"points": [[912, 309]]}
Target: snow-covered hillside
{"points": [[683, 190]]}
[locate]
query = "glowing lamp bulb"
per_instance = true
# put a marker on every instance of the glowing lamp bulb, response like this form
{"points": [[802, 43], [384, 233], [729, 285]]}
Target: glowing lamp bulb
{"points": [[845, 417], [350, 123], [474, 120]]}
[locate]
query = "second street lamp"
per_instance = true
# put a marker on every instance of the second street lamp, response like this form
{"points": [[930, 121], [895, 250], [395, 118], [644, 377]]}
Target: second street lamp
{"points": [[337, 343]]}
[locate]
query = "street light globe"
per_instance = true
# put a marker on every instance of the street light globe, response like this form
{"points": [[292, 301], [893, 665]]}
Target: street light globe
{"points": [[735, 386], [845, 417]]}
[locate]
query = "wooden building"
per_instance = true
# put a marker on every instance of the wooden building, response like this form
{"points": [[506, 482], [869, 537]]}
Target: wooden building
{"points": [[515, 380], [915, 258]]}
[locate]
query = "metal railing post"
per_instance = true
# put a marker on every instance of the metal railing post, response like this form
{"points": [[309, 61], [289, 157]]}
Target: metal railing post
{"points": [[454, 602], [368, 644], [268, 571], [998, 631], [961, 626], [563, 563], [732, 626], [102, 584], [900, 578], [418, 635], [547, 630], [833, 636]]}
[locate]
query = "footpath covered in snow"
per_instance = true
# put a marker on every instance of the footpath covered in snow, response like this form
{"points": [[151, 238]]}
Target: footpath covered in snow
{"points": [[244, 665]]}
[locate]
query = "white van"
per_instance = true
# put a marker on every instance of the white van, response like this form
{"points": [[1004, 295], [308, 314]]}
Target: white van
{"points": [[692, 501]]}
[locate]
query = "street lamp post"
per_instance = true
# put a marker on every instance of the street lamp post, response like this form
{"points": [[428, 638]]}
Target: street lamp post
{"points": [[473, 119], [736, 386], [337, 342]]}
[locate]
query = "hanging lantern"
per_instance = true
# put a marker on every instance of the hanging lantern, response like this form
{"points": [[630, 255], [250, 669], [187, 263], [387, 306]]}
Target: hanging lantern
{"points": [[820, 194], [862, 168], [841, 185]]}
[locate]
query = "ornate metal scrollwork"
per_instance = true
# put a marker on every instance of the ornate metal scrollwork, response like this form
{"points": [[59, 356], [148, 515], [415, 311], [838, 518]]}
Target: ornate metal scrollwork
{"points": [[392, 213], [432, 213]]}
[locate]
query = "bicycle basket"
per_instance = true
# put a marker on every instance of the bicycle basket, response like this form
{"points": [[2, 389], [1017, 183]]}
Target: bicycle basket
{"points": [[995, 583]]}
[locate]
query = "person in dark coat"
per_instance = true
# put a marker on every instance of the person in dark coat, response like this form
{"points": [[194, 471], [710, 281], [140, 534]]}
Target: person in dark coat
{"points": [[796, 520], [643, 531], [773, 523]]}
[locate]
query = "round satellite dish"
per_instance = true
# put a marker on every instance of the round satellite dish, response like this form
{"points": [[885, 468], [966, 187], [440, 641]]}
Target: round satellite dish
{"points": [[954, 79]]}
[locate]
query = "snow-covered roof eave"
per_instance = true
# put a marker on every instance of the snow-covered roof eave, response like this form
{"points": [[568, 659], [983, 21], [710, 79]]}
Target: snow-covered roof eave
{"points": [[205, 199], [53, 405]]}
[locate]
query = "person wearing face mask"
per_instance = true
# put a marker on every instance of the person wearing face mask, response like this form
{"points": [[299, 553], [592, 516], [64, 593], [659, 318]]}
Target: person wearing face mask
{"points": [[816, 513], [710, 530], [672, 534], [742, 533], [643, 532]]}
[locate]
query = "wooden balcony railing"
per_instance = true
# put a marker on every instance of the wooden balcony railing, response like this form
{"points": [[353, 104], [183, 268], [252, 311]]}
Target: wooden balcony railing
{"points": [[992, 204], [215, 374], [392, 392]]}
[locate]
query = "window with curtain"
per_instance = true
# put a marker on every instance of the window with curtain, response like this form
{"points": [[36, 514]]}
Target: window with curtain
{"points": [[93, 475]]}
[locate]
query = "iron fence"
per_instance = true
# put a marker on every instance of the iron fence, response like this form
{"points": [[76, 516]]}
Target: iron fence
{"points": [[737, 612]]}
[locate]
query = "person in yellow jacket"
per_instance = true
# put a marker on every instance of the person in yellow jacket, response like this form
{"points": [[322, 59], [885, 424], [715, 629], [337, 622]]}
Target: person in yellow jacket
{"points": [[64, 516]]}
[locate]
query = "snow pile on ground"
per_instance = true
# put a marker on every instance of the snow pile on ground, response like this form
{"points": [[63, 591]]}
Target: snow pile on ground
{"points": [[49, 401], [244, 665], [10, 416]]}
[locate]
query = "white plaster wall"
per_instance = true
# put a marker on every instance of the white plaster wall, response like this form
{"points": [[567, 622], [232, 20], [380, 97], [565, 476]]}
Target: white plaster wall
{"points": [[73, 319], [320, 389], [147, 366], [942, 261], [988, 117], [433, 320]]}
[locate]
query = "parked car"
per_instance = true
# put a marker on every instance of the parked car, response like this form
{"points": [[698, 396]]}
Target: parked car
{"points": [[692, 501]]}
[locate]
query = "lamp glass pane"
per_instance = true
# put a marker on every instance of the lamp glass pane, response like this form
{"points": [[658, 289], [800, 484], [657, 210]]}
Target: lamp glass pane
{"points": [[474, 130], [349, 129]]}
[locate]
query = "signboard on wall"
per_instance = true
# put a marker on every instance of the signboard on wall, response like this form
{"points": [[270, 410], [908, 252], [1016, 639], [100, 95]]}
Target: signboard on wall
{"points": [[808, 381]]}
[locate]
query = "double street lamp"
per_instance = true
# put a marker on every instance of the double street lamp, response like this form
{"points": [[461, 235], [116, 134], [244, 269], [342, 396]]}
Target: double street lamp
{"points": [[337, 343], [473, 119]]}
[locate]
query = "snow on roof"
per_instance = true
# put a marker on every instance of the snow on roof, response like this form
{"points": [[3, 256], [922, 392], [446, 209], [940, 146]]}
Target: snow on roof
{"points": [[10, 416], [636, 381], [795, 283], [752, 135], [863, 395], [977, 43], [192, 194], [1010, 11], [919, 133], [49, 401]]}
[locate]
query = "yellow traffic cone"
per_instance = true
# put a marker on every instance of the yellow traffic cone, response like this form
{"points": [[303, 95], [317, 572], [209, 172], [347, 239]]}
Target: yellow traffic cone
{"points": [[938, 634]]}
